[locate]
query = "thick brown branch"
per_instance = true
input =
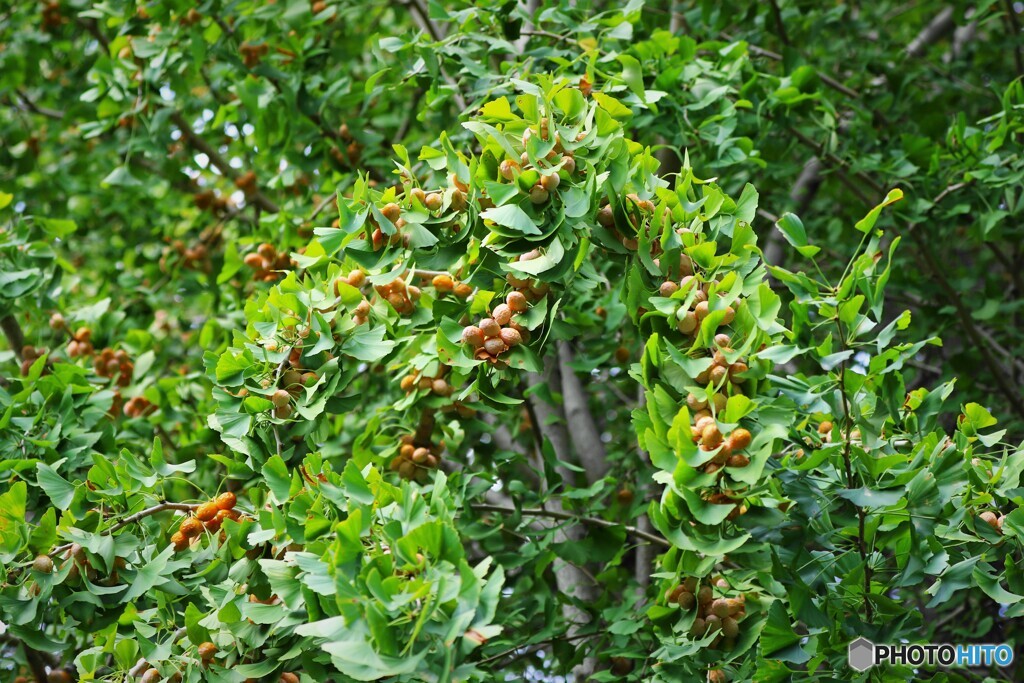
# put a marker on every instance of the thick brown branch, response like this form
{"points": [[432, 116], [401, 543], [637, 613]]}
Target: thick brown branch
{"points": [[36, 663], [15, 337], [571, 581], [583, 429]]}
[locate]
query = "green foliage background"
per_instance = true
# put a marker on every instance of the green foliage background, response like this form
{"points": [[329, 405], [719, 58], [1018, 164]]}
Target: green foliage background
{"points": [[875, 272]]}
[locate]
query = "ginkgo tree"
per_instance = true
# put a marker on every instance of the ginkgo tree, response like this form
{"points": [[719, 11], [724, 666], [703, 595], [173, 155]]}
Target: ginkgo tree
{"points": [[525, 402]]}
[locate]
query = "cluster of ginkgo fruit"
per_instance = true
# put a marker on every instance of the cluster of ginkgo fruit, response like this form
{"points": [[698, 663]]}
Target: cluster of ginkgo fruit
{"points": [[401, 296], [993, 519], [539, 180], [494, 335], [415, 460], [431, 201], [357, 279], [716, 614], [191, 257], [247, 183], [728, 450], [108, 363], [80, 344], [290, 384], [417, 381], [532, 290], [393, 212], [444, 283], [137, 406], [353, 152], [52, 15], [267, 263], [29, 355], [253, 54], [111, 364], [208, 200], [720, 368], [208, 516], [636, 211], [689, 317]]}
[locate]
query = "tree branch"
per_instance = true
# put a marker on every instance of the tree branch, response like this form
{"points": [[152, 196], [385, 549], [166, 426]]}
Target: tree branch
{"points": [[586, 436], [780, 27], [643, 563], [423, 19], [15, 337], [36, 663], [199, 144], [938, 27], [776, 57], [953, 296], [593, 521], [31, 106], [324, 203], [1015, 36], [131, 519], [92, 26], [847, 430], [571, 581], [806, 185], [839, 167]]}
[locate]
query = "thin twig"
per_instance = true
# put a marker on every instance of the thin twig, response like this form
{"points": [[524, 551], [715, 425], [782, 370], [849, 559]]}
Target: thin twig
{"points": [[556, 514], [92, 26], [534, 646], [847, 430], [953, 297], [324, 203], [131, 519], [141, 665], [825, 78], [35, 108]]}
